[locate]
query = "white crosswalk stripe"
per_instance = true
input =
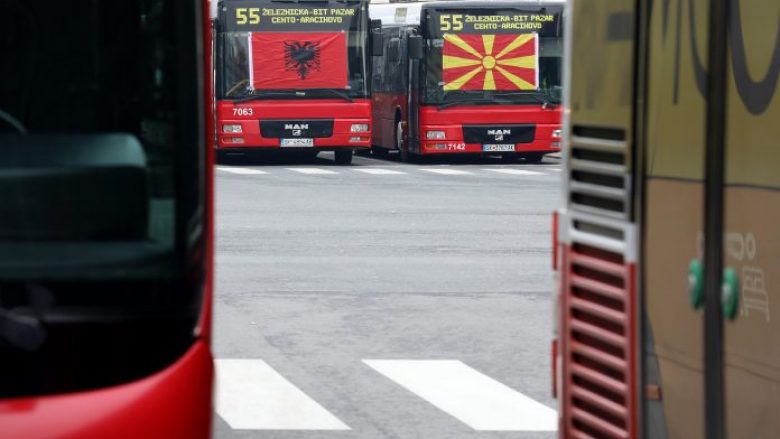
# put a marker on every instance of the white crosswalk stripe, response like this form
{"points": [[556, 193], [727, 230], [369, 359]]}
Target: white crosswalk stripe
{"points": [[511, 171], [468, 395], [379, 171], [312, 171], [251, 395], [446, 171], [241, 171]]}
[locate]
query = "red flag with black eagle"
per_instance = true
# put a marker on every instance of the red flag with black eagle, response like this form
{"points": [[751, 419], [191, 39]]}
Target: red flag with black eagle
{"points": [[299, 60]]}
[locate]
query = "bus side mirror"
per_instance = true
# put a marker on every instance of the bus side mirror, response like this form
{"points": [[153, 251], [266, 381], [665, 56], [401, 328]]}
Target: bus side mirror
{"points": [[377, 48], [415, 47]]}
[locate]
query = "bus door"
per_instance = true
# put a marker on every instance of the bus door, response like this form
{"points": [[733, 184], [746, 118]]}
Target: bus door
{"points": [[751, 214], [711, 362]]}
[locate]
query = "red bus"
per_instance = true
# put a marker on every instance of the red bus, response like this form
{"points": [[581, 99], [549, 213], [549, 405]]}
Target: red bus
{"points": [[667, 245], [479, 77], [105, 221], [293, 76]]}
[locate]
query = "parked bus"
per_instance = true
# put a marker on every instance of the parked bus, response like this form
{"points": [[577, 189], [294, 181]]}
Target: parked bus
{"points": [[667, 245], [105, 221], [472, 77], [293, 76]]}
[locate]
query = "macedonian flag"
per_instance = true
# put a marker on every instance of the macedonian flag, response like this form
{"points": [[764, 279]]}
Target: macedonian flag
{"points": [[491, 62]]}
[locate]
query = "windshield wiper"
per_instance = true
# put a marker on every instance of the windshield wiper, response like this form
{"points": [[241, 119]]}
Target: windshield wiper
{"points": [[544, 99], [338, 94], [293, 93], [20, 331], [25, 332], [263, 95], [466, 100]]}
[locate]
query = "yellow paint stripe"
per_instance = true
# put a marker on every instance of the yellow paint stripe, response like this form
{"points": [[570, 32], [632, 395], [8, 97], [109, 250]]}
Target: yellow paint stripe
{"points": [[451, 62], [458, 41], [517, 81], [458, 83], [490, 82], [519, 41], [525, 62], [487, 41]]}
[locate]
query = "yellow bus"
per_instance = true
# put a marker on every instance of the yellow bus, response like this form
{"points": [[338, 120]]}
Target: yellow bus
{"points": [[667, 245]]}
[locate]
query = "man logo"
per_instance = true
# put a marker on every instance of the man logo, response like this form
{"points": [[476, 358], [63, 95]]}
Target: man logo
{"points": [[296, 132], [296, 126], [499, 134]]}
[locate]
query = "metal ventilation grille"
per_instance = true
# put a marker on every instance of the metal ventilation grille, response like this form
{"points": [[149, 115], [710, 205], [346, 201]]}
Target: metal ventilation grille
{"points": [[599, 337], [599, 366], [599, 181]]}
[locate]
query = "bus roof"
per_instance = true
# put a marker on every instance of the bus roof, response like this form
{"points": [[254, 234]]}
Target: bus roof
{"points": [[411, 15]]}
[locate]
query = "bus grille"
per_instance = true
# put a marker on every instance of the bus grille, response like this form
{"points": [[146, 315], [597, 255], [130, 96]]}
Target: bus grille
{"points": [[598, 179], [598, 290]]}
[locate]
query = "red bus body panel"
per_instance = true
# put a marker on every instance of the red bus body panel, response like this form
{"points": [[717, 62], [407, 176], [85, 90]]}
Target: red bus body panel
{"points": [[173, 403], [249, 114], [451, 121], [387, 106]]}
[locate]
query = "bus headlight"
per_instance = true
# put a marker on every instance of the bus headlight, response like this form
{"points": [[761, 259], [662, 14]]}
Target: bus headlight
{"points": [[359, 128], [232, 129], [557, 133], [435, 135]]}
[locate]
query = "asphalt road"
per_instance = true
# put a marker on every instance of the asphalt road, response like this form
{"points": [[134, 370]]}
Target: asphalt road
{"points": [[338, 286]]}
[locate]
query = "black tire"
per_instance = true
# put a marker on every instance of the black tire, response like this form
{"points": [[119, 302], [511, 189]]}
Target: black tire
{"points": [[343, 157], [533, 157], [509, 158], [379, 152], [400, 145]]}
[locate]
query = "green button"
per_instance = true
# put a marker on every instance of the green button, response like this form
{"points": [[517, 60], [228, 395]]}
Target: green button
{"points": [[730, 293], [696, 284]]}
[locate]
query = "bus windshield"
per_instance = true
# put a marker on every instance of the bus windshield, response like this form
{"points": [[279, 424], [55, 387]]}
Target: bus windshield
{"points": [[102, 224], [311, 50], [507, 55]]}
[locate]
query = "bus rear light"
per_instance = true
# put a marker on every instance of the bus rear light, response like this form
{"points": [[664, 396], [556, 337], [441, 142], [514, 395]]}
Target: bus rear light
{"points": [[359, 128], [237, 140], [357, 139], [234, 129], [435, 135]]}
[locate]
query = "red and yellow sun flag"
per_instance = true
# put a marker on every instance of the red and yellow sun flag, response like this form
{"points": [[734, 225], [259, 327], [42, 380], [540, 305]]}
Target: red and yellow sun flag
{"points": [[490, 62]]}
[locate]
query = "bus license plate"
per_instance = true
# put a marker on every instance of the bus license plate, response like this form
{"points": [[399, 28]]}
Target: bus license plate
{"points": [[497, 148], [297, 142]]}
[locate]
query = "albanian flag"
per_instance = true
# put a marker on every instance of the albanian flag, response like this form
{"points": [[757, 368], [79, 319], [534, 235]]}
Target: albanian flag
{"points": [[491, 62], [298, 60]]}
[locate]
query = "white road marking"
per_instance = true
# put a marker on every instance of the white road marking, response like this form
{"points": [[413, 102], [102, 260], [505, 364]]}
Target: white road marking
{"points": [[446, 171], [241, 171], [554, 169], [251, 395], [313, 171], [470, 396], [379, 171], [514, 171]]}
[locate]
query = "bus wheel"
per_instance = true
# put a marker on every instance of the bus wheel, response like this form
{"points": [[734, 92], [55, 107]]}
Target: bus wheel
{"points": [[533, 157], [343, 156], [403, 151], [509, 157], [378, 151]]}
